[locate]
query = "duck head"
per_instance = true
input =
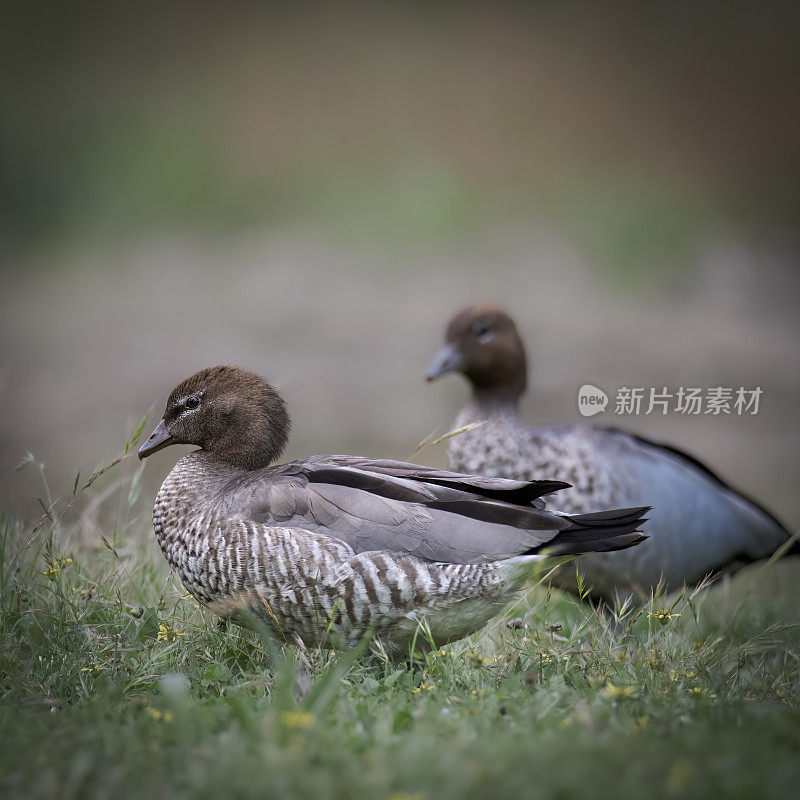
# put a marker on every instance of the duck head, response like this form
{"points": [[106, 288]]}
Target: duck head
{"points": [[229, 412], [482, 343]]}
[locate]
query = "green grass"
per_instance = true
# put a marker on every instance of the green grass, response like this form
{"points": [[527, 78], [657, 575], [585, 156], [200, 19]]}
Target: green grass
{"points": [[113, 683]]}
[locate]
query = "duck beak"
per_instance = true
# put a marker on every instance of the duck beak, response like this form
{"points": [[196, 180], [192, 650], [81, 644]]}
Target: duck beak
{"points": [[159, 439], [448, 359]]}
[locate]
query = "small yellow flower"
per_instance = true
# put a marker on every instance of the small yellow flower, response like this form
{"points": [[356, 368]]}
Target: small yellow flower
{"points": [[544, 657], [157, 713], [663, 616], [476, 693], [297, 719], [478, 660], [619, 692], [167, 633], [94, 669], [423, 687], [56, 565]]}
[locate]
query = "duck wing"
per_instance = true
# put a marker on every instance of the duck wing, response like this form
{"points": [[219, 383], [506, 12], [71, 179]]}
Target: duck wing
{"points": [[689, 495], [432, 514], [699, 522]]}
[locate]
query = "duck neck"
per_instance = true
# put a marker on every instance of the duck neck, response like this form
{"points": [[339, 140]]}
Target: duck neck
{"points": [[195, 479], [495, 402], [251, 439], [211, 467], [242, 452]]}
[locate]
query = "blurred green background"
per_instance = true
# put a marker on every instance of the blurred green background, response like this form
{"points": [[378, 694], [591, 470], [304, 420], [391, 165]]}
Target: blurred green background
{"points": [[312, 191]]}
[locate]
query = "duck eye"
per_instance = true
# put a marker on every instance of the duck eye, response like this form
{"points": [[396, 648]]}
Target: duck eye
{"points": [[482, 331], [192, 402]]}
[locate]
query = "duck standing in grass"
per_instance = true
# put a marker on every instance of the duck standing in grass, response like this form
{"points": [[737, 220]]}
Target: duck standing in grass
{"points": [[330, 547], [698, 524]]}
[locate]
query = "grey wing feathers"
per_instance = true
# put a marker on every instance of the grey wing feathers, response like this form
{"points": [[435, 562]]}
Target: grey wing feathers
{"points": [[431, 514], [704, 514], [506, 489], [692, 463]]}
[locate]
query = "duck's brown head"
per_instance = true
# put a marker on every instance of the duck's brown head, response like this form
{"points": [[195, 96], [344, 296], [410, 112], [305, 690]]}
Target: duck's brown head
{"points": [[229, 412], [482, 343]]}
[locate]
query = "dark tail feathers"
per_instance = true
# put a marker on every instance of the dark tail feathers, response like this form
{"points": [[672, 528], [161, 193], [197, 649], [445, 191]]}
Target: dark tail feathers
{"points": [[599, 532]]}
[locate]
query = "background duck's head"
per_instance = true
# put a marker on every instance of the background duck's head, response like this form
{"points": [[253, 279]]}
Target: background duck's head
{"points": [[482, 343], [229, 412]]}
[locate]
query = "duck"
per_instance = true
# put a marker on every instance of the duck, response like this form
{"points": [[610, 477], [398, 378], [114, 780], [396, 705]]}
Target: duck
{"points": [[329, 549], [699, 525]]}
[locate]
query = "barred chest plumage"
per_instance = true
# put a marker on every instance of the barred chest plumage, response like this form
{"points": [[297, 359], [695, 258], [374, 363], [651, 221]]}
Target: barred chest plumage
{"points": [[227, 562], [186, 532]]}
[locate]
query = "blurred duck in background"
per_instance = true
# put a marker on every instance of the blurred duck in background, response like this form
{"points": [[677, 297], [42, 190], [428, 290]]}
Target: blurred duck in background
{"points": [[698, 525]]}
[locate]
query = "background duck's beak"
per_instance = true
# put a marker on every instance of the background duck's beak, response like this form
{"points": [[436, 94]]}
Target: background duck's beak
{"points": [[448, 359], [159, 438]]}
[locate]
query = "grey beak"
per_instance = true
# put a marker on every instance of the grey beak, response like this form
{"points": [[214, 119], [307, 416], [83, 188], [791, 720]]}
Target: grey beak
{"points": [[448, 359], [159, 439]]}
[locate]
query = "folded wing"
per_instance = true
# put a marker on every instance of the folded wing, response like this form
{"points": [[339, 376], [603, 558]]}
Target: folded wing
{"points": [[432, 514]]}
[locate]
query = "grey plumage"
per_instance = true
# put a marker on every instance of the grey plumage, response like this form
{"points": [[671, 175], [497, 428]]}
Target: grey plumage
{"points": [[698, 523], [332, 546]]}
